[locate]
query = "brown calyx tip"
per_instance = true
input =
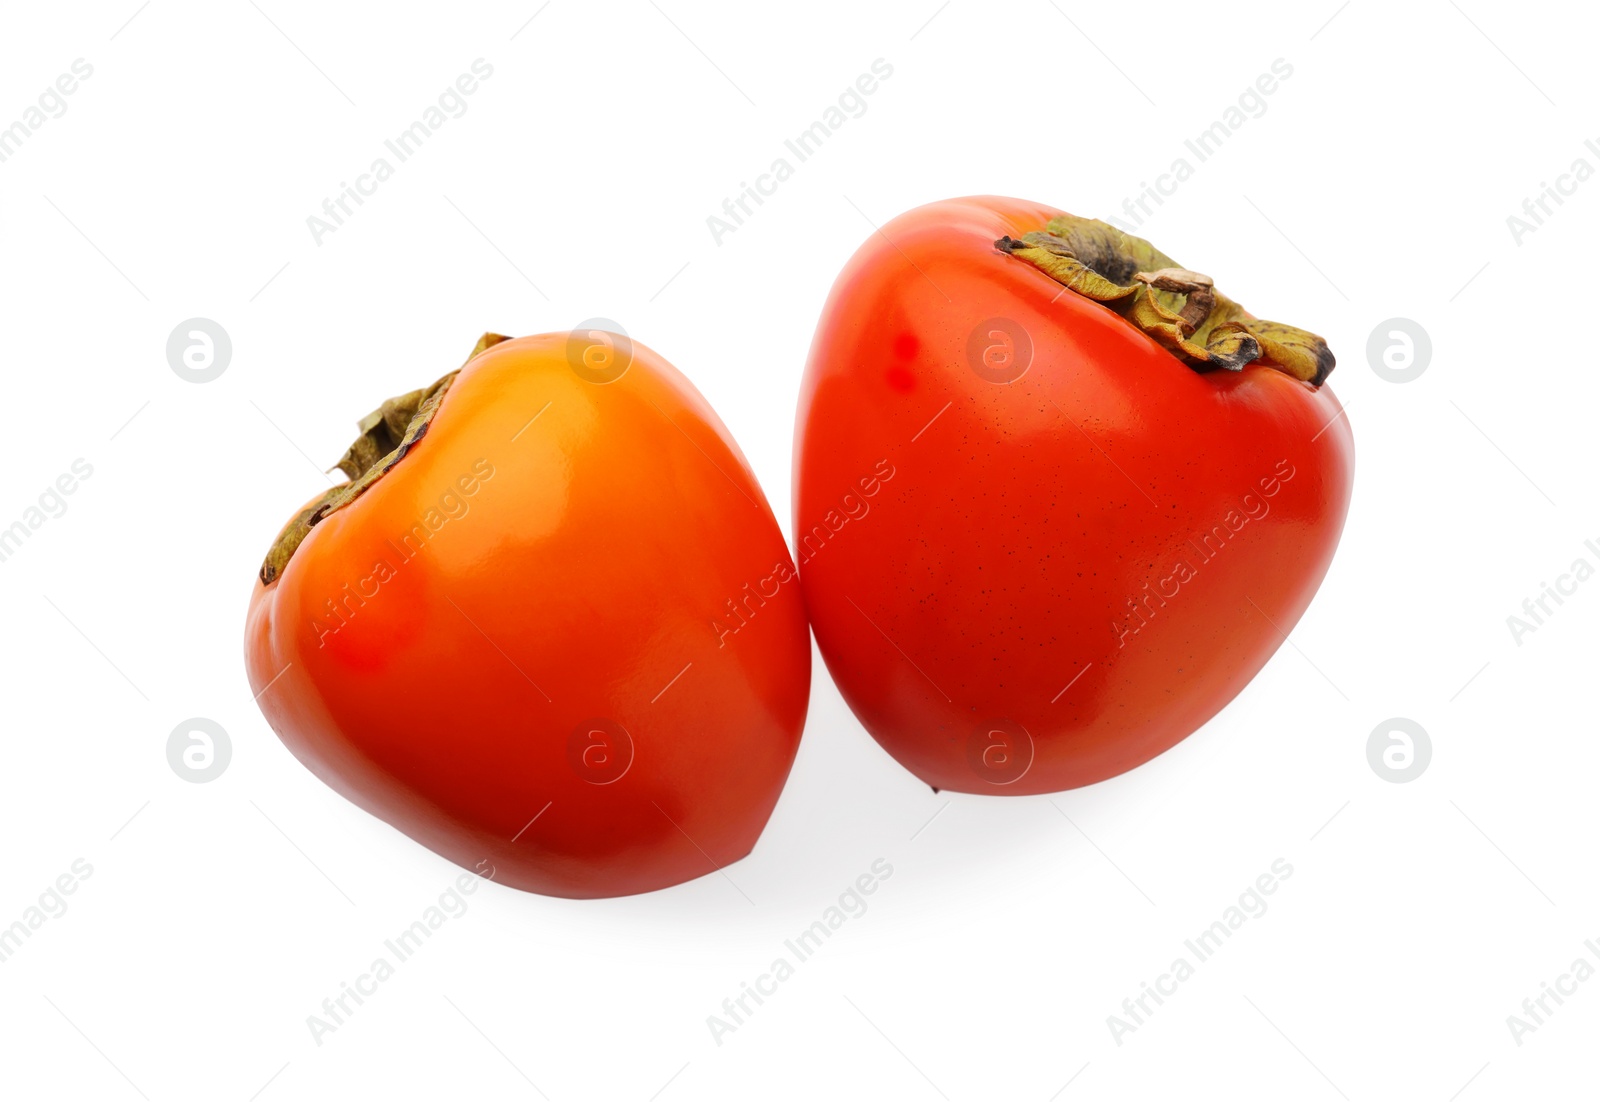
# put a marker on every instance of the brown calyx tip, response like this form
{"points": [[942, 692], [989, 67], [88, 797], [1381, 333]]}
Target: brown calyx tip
{"points": [[387, 434], [1181, 280], [1178, 308]]}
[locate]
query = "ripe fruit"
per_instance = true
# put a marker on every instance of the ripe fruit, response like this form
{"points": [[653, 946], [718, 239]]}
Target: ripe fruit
{"points": [[1110, 493], [549, 629]]}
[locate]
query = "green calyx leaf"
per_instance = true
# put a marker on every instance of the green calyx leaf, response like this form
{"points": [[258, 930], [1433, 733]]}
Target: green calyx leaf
{"points": [[1180, 309]]}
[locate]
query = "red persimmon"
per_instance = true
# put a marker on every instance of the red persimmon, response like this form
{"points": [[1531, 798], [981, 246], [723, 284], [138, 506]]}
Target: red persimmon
{"points": [[550, 629], [1057, 499]]}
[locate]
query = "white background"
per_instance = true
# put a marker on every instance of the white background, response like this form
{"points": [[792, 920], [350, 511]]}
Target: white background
{"points": [[218, 916]]}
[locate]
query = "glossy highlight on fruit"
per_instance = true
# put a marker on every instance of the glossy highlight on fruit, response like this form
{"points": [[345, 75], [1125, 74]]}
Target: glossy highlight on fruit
{"points": [[1112, 493], [549, 629]]}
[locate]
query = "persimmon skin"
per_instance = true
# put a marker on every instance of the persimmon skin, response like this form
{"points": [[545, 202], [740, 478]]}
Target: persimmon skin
{"points": [[988, 587], [552, 552]]}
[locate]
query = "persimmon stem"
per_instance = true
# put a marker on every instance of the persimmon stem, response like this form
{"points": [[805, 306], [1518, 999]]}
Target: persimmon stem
{"points": [[1200, 292], [387, 434], [1180, 309]]}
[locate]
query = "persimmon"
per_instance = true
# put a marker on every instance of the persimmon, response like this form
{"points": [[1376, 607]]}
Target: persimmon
{"points": [[549, 628], [1113, 493]]}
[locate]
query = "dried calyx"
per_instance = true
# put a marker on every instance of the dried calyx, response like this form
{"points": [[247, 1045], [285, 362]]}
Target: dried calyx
{"points": [[387, 433], [1180, 309]]}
